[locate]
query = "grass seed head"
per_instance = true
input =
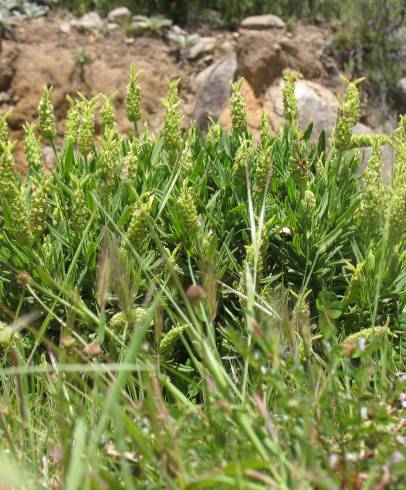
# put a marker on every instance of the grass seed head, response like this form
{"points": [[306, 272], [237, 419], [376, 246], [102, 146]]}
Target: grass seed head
{"points": [[8, 176], [131, 161], [172, 130], [139, 220], [46, 115], [133, 99], [33, 148], [72, 122], [290, 109], [20, 229], [107, 115], [39, 209], [187, 210], [4, 131], [238, 108], [86, 129], [168, 343], [347, 117]]}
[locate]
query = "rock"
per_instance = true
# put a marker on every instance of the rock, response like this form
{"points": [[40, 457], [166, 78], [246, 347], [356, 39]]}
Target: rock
{"points": [[192, 39], [112, 26], [89, 22], [263, 22], [119, 15], [213, 89], [259, 59], [401, 94], [204, 45], [139, 27], [4, 98], [263, 55], [254, 110], [387, 153], [316, 104], [177, 30], [65, 27], [49, 156], [176, 38]]}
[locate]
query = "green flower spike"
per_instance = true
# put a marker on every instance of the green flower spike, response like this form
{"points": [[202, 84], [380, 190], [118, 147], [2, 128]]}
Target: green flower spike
{"points": [[348, 116], [139, 220], [172, 130], [46, 115], [32, 148], [133, 100], [187, 210], [238, 108]]}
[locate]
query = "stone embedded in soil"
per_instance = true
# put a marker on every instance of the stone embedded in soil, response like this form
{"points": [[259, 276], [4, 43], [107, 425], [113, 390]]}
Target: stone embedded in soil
{"points": [[119, 15], [89, 22], [213, 89], [263, 22], [263, 55], [204, 45], [139, 27], [259, 59]]}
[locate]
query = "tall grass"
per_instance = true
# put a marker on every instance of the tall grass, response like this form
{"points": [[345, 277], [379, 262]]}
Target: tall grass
{"points": [[190, 311]]}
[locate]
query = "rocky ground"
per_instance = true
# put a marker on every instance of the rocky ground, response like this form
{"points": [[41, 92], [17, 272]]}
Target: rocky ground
{"points": [[93, 55]]}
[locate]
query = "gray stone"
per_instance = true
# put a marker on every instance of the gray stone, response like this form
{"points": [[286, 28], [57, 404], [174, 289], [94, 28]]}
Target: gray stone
{"points": [[65, 27], [263, 22], [139, 27], [89, 22], [316, 104], [319, 105], [178, 39], [203, 46], [213, 89], [119, 15]]}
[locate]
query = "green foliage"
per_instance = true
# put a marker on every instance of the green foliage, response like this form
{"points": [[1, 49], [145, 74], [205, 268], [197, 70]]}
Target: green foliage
{"points": [[187, 312]]}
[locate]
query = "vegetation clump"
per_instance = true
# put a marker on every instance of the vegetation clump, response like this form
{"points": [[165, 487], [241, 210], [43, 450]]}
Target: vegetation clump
{"points": [[191, 311]]}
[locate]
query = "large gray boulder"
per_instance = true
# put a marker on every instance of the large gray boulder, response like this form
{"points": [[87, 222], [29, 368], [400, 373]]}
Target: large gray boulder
{"points": [[213, 89], [316, 104]]}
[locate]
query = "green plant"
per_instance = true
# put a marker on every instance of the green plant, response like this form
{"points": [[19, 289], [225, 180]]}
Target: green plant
{"points": [[188, 312]]}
